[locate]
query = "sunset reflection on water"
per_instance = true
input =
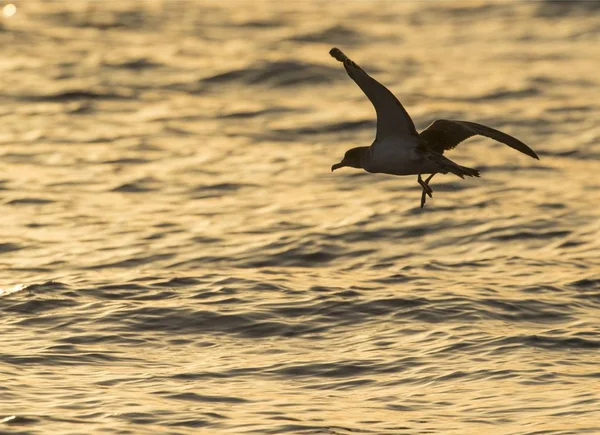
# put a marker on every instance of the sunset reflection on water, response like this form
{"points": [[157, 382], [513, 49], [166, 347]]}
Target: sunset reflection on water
{"points": [[177, 256]]}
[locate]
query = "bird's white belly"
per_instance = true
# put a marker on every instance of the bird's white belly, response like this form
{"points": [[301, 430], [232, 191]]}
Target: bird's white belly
{"points": [[396, 160]]}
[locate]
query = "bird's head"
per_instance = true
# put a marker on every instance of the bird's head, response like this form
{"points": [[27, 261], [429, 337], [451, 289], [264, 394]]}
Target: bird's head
{"points": [[353, 158]]}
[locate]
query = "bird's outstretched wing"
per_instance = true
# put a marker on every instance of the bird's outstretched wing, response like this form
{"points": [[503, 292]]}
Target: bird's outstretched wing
{"points": [[445, 134], [392, 118]]}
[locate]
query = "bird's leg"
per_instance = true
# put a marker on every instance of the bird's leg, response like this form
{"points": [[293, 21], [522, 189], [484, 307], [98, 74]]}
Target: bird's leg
{"points": [[425, 186], [426, 182]]}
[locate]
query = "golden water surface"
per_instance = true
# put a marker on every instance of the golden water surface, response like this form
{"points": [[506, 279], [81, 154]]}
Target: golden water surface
{"points": [[176, 256]]}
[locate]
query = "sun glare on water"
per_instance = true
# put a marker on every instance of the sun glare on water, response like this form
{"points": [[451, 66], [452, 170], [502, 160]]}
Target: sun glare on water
{"points": [[9, 290], [9, 10]]}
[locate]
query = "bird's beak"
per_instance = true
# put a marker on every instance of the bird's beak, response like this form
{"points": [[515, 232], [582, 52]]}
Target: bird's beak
{"points": [[337, 166]]}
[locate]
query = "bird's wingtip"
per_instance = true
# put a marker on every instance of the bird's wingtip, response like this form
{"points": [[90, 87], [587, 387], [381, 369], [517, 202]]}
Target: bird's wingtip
{"points": [[531, 153], [338, 54]]}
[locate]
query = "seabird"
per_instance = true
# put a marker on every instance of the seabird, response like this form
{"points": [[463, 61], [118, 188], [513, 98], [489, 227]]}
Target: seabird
{"points": [[399, 149]]}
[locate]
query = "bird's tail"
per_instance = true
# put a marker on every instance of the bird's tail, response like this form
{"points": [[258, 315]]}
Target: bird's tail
{"points": [[446, 165], [469, 172]]}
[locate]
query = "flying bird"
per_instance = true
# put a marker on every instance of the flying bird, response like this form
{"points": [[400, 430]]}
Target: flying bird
{"points": [[399, 149]]}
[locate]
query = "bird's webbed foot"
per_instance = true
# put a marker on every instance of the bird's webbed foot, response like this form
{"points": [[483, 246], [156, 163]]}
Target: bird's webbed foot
{"points": [[423, 198]]}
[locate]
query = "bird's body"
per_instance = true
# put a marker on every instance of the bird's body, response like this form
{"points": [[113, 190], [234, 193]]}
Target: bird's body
{"points": [[399, 149], [396, 157]]}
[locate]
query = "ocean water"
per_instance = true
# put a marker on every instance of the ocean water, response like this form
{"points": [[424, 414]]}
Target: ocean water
{"points": [[177, 258]]}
